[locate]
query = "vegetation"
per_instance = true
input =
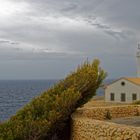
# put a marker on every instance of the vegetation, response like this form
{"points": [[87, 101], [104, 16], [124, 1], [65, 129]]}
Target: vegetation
{"points": [[108, 115], [47, 116], [136, 103]]}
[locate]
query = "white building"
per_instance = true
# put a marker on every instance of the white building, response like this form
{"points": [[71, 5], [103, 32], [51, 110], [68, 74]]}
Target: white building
{"points": [[124, 89]]}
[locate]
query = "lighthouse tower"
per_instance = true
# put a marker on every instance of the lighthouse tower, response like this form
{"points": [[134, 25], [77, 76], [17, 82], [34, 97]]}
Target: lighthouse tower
{"points": [[138, 61]]}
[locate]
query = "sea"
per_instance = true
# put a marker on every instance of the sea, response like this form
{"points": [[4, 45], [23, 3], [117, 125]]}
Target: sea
{"points": [[14, 94]]}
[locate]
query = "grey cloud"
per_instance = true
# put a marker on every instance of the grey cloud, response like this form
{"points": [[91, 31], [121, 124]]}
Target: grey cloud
{"points": [[97, 8], [2, 41], [115, 34], [108, 29], [71, 7], [9, 54], [101, 26], [120, 13], [89, 9], [105, 29]]}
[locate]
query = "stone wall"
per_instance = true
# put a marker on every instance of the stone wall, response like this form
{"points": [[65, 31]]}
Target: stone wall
{"points": [[89, 129], [100, 113], [90, 124]]}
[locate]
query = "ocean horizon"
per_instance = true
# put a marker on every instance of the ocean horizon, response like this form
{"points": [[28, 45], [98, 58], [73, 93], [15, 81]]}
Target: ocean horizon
{"points": [[14, 94]]}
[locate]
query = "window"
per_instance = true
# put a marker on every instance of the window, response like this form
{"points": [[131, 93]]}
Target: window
{"points": [[123, 83], [123, 97], [134, 96], [112, 96]]}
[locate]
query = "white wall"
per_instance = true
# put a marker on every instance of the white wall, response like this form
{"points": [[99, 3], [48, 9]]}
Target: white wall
{"points": [[129, 88]]}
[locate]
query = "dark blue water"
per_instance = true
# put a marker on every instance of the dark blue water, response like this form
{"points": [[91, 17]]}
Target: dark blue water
{"points": [[14, 94]]}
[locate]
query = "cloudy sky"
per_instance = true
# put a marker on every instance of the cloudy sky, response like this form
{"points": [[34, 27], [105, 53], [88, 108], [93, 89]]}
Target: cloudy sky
{"points": [[45, 39]]}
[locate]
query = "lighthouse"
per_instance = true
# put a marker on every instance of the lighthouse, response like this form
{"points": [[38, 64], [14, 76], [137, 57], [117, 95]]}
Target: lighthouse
{"points": [[138, 61]]}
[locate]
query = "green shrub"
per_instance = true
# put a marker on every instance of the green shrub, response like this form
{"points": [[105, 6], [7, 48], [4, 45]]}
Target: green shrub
{"points": [[47, 116], [136, 103], [108, 115]]}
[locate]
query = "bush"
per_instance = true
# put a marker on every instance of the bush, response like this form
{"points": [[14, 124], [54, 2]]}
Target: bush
{"points": [[108, 115], [47, 116], [136, 103]]}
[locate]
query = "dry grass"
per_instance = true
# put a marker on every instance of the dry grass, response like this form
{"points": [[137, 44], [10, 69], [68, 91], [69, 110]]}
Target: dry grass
{"points": [[99, 101]]}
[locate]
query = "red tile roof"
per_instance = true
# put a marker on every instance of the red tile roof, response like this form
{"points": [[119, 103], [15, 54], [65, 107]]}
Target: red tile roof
{"points": [[133, 80]]}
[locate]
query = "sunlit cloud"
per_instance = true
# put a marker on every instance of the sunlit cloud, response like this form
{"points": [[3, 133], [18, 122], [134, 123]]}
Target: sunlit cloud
{"points": [[8, 8]]}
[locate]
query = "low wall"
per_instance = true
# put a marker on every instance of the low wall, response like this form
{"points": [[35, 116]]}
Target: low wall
{"points": [[89, 124], [100, 113], [88, 129]]}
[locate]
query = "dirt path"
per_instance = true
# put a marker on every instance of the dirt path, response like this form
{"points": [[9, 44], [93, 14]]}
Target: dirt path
{"points": [[133, 121]]}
